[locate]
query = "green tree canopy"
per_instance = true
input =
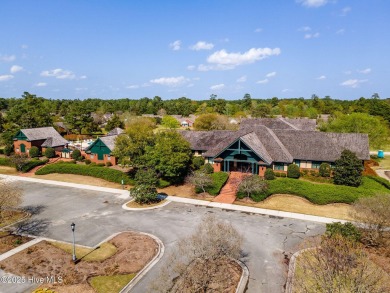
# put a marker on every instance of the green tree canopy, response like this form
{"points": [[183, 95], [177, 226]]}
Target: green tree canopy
{"points": [[170, 122], [114, 122], [348, 169]]}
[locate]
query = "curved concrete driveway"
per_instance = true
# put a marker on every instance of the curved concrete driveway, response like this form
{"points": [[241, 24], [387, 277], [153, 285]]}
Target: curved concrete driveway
{"points": [[99, 214]]}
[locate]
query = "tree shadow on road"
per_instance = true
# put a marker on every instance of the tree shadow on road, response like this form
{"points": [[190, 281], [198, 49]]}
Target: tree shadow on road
{"points": [[32, 227], [34, 209]]}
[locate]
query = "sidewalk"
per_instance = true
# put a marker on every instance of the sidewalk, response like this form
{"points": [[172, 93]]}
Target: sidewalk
{"points": [[124, 194]]}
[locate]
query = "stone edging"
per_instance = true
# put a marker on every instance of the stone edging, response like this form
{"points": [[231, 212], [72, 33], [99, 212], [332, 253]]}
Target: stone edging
{"points": [[125, 207], [242, 284], [291, 270]]}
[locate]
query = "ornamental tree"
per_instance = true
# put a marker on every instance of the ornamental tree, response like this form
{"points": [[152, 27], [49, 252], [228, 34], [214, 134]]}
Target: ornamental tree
{"points": [[348, 169]]}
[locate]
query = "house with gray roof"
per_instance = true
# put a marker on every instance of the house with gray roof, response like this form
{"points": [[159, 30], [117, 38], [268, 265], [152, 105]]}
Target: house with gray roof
{"points": [[273, 144], [100, 150], [41, 137]]}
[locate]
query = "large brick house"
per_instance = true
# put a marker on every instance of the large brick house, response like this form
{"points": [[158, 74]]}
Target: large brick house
{"points": [[274, 143], [42, 138]]}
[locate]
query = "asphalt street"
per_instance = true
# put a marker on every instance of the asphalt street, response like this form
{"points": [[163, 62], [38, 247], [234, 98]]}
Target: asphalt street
{"points": [[98, 215]]}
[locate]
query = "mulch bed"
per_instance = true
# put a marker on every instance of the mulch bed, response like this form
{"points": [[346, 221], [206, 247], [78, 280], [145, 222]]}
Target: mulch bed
{"points": [[9, 241]]}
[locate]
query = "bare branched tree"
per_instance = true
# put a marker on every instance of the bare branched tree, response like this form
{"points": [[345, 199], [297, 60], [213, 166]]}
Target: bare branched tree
{"points": [[337, 265], [19, 160], [10, 196], [374, 215], [200, 262], [251, 184], [201, 180]]}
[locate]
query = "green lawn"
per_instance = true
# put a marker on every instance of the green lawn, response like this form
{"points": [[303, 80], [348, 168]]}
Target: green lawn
{"points": [[326, 193], [110, 284], [101, 253], [384, 163]]}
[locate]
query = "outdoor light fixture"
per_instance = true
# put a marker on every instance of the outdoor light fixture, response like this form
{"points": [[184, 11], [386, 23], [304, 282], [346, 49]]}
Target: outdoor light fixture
{"points": [[73, 226]]}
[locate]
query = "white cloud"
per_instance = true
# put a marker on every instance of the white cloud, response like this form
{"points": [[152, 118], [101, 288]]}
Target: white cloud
{"points": [[6, 77], [271, 74], [170, 81], [225, 60], [340, 31], [201, 45], [345, 11], [217, 87], [311, 36], [176, 45], [258, 30], [7, 58], [191, 67], [242, 79], [263, 81], [353, 83], [286, 90], [312, 3], [15, 68], [59, 73], [83, 77], [321, 77], [305, 29], [133, 86], [365, 71], [41, 84]]}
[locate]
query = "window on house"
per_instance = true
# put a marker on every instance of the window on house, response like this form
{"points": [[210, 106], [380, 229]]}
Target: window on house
{"points": [[298, 163], [315, 165], [279, 166], [91, 156]]}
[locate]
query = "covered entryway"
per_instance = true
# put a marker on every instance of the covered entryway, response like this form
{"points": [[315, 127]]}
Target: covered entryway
{"points": [[22, 148]]}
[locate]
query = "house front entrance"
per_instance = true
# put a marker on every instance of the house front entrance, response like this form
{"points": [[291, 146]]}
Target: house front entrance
{"points": [[243, 167]]}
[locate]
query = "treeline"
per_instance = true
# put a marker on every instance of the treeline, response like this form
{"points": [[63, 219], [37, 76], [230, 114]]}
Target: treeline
{"points": [[298, 107]]}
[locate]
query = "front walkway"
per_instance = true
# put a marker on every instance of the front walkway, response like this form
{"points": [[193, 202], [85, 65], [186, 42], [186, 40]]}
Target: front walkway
{"points": [[229, 191]]}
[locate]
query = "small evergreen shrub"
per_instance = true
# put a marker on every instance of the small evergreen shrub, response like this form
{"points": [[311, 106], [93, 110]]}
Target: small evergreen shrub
{"points": [[207, 168], [269, 174], [8, 150], [87, 161], [347, 230], [76, 154], [348, 169], [50, 153], [108, 164], [163, 183], [100, 165], [197, 162], [32, 164], [34, 152], [80, 158], [144, 194], [293, 171], [1, 151], [325, 170]]}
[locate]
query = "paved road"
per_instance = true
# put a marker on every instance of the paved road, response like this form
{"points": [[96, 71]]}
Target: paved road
{"points": [[98, 215]]}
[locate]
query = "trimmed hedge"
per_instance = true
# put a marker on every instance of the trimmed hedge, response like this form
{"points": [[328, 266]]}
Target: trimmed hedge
{"points": [[219, 180], [325, 193], [380, 180], [293, 171], [32, 164], [269, 174], [6, 162], [93, 171], [255, 196]]}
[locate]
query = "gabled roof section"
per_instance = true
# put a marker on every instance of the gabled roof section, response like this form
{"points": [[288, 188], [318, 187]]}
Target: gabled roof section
{"points": [[252, 141], [115, 131], [108, 141], [205, 140], [49, 134], [279, 123]]}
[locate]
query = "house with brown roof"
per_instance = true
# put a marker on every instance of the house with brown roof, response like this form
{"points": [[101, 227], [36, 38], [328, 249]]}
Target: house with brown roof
{"points": [[42, 138], [265, 143]]}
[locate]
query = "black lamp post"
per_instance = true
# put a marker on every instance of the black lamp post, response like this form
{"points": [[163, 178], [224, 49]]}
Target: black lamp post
{"points": [[73, 226]]}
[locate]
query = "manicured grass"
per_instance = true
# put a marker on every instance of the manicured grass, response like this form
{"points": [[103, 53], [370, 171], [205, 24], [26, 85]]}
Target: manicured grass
{"points": [[103, 252], [325, 193], [94, 171], [104, 284], [384, 163]]}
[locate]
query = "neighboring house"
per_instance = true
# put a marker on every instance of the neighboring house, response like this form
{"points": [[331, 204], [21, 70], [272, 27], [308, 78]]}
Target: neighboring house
{"points": [[186, 123], [100, 150], [42, 138], [256, 147], [61, 127], [280, 123]]}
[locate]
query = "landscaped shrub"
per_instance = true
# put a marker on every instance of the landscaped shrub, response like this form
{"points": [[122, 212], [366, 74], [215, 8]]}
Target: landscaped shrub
{"points": [[76, 154], [325, 170], [34, 152], [32, 164], [100, 165], [50, 153], [87, 161], [6, 162], [347, 230], [207, 168], [348, 169], [80, 158], [269, 174], [144, 194], [380, 180], [108, 164], [103, 173], [163, 183], [197, 162], [147, 177], [219, 180], [254, 187], [293, 171], [8, 150]]}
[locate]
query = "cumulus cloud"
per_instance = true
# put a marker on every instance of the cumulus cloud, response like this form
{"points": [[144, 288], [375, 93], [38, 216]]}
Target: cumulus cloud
{"points": [[353, 83], [6, 77], [191, 67], [242, 79], [311, 36], [59, 73], [217, 87], [365, 71], [263, 81], [41, 84], [227, 60], [176, 45], [7, 58], [271, 74], [312, 3], [170, 81], [321, 77], [15, 68], [201, 45], [83, 77], [305, 29]]}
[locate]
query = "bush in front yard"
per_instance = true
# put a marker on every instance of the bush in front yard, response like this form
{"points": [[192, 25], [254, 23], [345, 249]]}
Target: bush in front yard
{"points": [[76, 154], [197, 162], [8, 149], [219, 180], [32, 164], [347, 230], [144, 194], [87, 161], [50, 153], [293, 171], [348, 169], [34, 152], [207, 168], [325, 170], [269, 174]]}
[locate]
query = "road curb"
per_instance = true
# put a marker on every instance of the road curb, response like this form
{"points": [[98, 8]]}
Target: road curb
{"points": [[125, 207], [291, 270], [243, 283]]}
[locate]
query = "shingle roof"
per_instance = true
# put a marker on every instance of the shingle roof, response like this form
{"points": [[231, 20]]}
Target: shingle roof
{"points": [[109, 141], [115, 131], [49, 134], [280, 123]]}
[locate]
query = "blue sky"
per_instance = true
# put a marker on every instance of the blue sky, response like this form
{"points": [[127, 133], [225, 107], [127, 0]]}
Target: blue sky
{"points": [[134, 49]]}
